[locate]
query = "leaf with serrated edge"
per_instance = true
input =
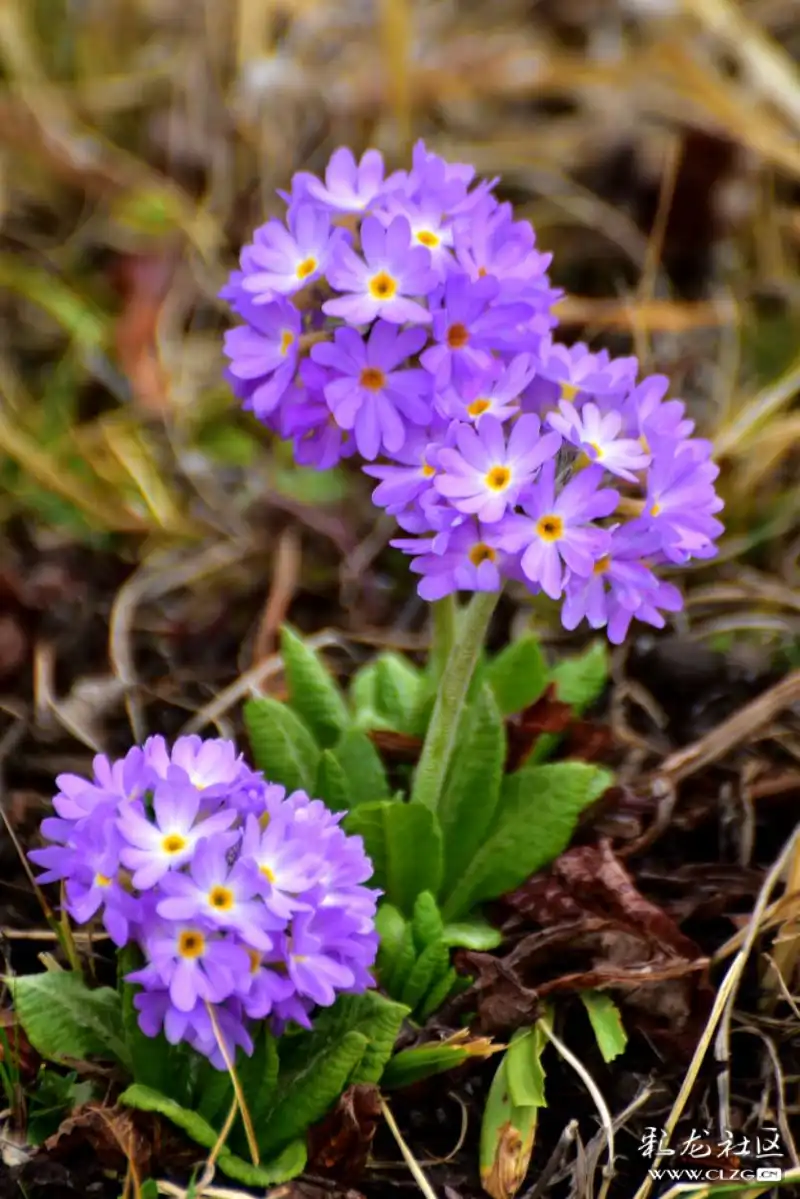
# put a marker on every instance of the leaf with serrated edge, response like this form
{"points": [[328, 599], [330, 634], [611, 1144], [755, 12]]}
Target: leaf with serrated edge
{"points": [[282, 745], [606, 1022], [426, 921], [411, 1065], [398, 686], [581, 680], [472, 789], [362, 765], [517, 675], [431, 965], [437, 994], [331, 783], [404, 843], [313, 694], [311, 1092], [288, 1164], [475, 933], [390, 925], [63, 1018], [538, 812]]}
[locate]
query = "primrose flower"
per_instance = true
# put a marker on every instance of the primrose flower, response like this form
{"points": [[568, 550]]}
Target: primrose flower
{"points": [[485, 475], [367, 393], [193, 962], [558, 530], [380, 285], [454, 333], [282, 261]]}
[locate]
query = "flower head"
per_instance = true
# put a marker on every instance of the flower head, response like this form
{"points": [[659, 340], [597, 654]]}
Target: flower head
{"points": [[381, 284]]}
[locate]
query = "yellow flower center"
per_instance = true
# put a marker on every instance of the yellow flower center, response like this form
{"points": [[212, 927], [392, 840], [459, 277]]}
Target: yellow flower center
{"points": [[221, 898], [372, 378], [598, 449], [428, 471], [287, 341], [478, 407], [482, 553], [602, 564], [102, 880], [306, 268], [426, 238], [655, 510], [191, 944], [268, 874], [569, 391], [498, 478], [457, 336], [382, 286], [644, 443], [255, 960], [550, 528], [482, 272], [173, 843]]}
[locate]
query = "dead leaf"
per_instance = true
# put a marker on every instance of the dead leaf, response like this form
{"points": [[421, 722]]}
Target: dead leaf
{"points": [[341, 1143], [546, 715], [116, 1135]]}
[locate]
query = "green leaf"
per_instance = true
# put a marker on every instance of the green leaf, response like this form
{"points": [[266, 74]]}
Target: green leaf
{"points": [[404, 961], [606, 1022], [364, 688], [475, 933], [428, 970], [377, 1018], [398, 685], [362, 765], [472, 790], [404, 842], [155, 1063], [313, 694], [507, 1136], [426, 924], [410, 1065], [539, 809], [282, 1167], [524, 1068], [438, 993], [390, 926], [282, 745], [517, 675], [63, 1018], [309, 1092], [331, 783], [582, 679]]}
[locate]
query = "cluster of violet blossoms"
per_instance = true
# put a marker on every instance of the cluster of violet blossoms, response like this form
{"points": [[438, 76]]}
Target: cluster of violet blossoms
{"points": [[246, 903], [408, 319]]}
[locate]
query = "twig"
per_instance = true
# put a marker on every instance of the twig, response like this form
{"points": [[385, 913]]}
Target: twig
{"points": [[408, 1156]]}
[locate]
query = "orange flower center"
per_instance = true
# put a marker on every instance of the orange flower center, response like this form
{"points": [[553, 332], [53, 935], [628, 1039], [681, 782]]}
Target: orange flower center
{"points": [[173, 843], [268, 874], [382, 286], [478, 407], [498, 478], [372, 378], [191, 944], [550, 528], [426, 238], [569, 391], [221, 898], [655, 510], [428, 471], [602, 564], [102, 880], [457, 336], [482, 553], [287, 341], [306, 268]]}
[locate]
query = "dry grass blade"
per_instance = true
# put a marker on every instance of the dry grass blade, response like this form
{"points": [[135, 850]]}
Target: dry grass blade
{"points": [[408, 1157]]}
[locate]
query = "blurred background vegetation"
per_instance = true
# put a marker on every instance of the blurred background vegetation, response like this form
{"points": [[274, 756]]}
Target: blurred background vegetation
{"points": [[654, 144]]}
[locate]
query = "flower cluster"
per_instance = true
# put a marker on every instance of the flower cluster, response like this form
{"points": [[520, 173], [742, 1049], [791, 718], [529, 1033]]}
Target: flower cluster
{"points": [[408, 319], [246, 903]]}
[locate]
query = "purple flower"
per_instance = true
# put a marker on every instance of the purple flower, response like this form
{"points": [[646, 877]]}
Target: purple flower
{"points": [[349, 186], [597, 436], [473, 560], [494, 392], [193, 962], [681, 500], [212, 765], [367, 393], [568, 372], [468, 329], [621, 586], [282, 261], [222, 895], [485, 475], [490, 243], [195, 1027], [380, 284], [558, 530], [168, 841], [264, 353], [410, 476], [306, 418], [315, 971], [287, 863]]}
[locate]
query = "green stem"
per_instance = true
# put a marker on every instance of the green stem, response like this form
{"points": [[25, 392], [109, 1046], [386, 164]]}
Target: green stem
{"points": [[441, 736], [445, 623]]}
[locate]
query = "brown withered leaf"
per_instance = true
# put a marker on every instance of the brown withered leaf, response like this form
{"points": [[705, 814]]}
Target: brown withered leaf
{"points": [[341, 1142], [396, 747], [144, 281], [15, 1045], [116, 1135], [546, 715], [302, 1189], [592, 927]]}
